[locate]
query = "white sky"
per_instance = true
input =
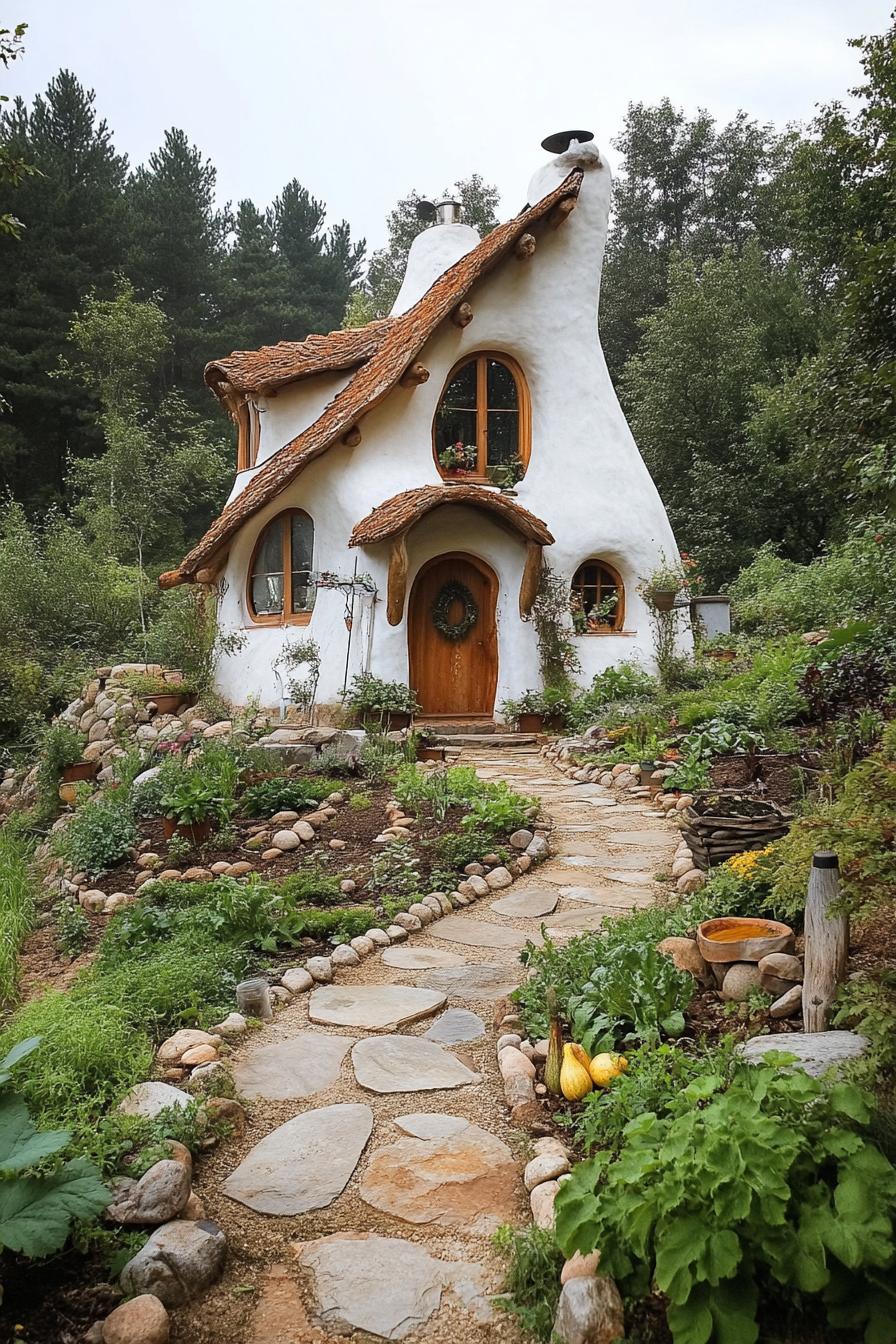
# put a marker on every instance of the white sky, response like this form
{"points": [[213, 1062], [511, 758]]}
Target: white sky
{"points": [[364, 99]]}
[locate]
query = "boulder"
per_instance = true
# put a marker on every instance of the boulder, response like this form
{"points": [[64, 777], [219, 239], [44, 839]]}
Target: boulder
{"points": [[590, 1311], [580, 1266], [789, 1004], [740, 978], [545, 1167], [179, 1261], [686, 955], [498, 879], [780, 971], [521, 839], [149, 1099], [541, 1202], [297, 980], [815, 1051], [143, 1320], [176, 1046], [157, 1197]]}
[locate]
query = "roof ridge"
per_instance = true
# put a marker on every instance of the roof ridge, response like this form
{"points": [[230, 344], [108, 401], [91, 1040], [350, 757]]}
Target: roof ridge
{"points": [[406, 336]]}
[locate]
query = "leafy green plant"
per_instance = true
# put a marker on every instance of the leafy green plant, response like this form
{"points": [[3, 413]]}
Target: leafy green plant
{"points": [[718, 738], [97, 837], [370, 697], [395, 872], [360, 801], [655, 1077], [179, 848], [72, 929], [532, 1286], [40, 1195], [379, 758], [192, 800], [761, 1176], [638, 995], [311, 886], [689, 776], [500, 812], [60, 746], [283, 794]]}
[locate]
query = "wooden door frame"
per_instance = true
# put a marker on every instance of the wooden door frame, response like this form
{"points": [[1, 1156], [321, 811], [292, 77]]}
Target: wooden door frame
{"points": [[491, 579]]}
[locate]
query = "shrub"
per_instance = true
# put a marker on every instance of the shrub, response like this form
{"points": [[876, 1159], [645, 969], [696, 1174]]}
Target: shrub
{"points": [[185, 634], [760, 1178], [282, 794], [368, 696], [310, 886], [97, 837], [379, 758], [192, 800], [396, 872], [60, 746]]}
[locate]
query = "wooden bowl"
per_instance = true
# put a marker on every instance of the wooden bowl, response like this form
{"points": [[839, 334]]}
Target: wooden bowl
{"points": [[737, 939]]}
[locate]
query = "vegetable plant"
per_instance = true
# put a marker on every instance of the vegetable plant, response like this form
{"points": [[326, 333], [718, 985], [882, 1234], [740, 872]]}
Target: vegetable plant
{"points": [[763, 1177], [97, 837], [637, 994], [284, 794], [192, 800]]}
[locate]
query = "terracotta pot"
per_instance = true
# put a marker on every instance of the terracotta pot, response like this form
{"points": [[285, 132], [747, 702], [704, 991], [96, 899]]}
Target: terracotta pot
{"points": [[71, 774], [530, 723], [68, 793], [721, 655], [430, 753], [553, 723], [166, 703], [663, 598], [196, 832], [738, 939]]}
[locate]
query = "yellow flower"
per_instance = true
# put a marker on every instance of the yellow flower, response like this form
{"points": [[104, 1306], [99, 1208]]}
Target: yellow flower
{"points": [[745, 865]]}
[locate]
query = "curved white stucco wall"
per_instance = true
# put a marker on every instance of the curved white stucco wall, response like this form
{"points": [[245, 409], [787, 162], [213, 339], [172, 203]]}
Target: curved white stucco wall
{"points": [[430, 255], [586, 478]]}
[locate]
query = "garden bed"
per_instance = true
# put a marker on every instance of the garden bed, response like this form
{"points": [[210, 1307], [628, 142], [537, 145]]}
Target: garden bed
{"points": [[777, 777]]}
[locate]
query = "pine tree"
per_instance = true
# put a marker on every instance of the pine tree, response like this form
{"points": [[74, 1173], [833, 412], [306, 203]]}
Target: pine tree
{"points": [[72, 241]]}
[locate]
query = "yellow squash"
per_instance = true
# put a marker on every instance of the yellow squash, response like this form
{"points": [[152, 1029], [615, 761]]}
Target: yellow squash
{"points": [[604, 1068], [575, 1080]]}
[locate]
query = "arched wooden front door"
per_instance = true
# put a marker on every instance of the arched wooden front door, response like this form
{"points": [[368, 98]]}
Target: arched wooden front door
{"points": [[454, 676]]}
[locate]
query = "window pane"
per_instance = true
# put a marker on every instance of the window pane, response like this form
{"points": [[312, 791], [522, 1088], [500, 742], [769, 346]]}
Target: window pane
{"points": [[267, 572], [303, 590], [503, 438], [461, 391], [501, 387], [302, 541], [453, 427]]}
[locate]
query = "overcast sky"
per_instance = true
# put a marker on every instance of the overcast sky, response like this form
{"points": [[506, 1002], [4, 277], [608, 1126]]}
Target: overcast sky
{"points": [[363, 100]]}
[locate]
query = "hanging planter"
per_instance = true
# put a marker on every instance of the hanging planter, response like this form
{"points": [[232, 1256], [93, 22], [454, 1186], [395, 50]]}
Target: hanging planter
{"points": [[662, 598]]}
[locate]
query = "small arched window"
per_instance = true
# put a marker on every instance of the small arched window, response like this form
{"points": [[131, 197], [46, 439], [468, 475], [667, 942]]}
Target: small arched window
{"points": [[248, 426], [597, 599], [482, 426], [281, 582]]}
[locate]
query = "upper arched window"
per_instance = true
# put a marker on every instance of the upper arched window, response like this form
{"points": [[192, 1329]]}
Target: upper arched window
{"points": [[597, 599], [482, 425], [248, 427], [281, 579]]}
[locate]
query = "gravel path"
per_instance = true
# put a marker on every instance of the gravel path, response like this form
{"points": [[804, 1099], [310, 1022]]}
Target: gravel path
{"points": [[404, 1251]]}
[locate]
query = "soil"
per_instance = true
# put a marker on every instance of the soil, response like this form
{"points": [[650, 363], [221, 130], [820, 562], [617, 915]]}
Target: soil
{"points": [[53, 1301], [775, 777]]}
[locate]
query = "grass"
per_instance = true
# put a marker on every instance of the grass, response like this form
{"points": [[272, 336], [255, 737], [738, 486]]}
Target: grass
{"points": [[532, 1286], [18, 903]]}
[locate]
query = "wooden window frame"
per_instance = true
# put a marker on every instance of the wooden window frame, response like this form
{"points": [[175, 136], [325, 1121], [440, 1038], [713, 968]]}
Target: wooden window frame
{"points": [[618, 625], [248, 424], [287, 616], [524, 405]]}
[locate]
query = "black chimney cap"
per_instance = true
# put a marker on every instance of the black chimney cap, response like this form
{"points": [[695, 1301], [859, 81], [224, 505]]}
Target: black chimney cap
{"points": [[560, 142], [425, 210]]}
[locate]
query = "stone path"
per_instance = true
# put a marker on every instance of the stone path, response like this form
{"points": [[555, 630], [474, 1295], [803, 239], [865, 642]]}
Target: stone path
{"points": [[379, 1156]]}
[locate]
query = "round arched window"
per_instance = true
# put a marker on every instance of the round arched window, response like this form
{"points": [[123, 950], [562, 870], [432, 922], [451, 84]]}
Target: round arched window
{"points": [[481, 429], [597, 599], [281, 581]]}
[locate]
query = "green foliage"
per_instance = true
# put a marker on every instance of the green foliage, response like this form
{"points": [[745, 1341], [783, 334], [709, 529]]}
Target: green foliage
{"points": [[97, 837], [61, 745], [689, 775], [371, 697], [557, 653], [40, 1195], [185, 633], [639, 994], [858, 826], [532, 1286], [867, 1004], [18, 901], [625, 681], [654, 1080], [452, 852], [395, 872], [490, 809], [720, 738], [379, 758], [72, 929], [282, 794], [193, 799], [765, 1173], [310, 886]]}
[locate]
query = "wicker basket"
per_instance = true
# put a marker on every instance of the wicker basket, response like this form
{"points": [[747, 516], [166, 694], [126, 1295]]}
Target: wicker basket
{"points": [[721, 823]]}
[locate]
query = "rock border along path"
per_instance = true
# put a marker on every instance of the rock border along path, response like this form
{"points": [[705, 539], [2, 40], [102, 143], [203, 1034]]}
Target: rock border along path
{"points": [[349, 1265]]}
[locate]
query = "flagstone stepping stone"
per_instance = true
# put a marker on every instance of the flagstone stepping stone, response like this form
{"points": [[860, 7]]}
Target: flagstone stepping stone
{"points": [[384, 1285], [472, 983], [477, 933], [431, 1125], [527, 903], [419, 958], [582, 791], [466, 1179], [620, 861], [372, 1007], [407, 1064], [619, 897], [456, 1026], [287, 1070], [648, 839], [304, 1164], [630, 877], [582, 919]]}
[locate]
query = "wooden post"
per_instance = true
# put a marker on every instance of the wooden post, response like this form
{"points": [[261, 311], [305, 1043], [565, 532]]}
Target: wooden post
{"points": [[352, 437], [462, 315], [827, 941], [525, 246], [414, 375], [398, 579]]}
